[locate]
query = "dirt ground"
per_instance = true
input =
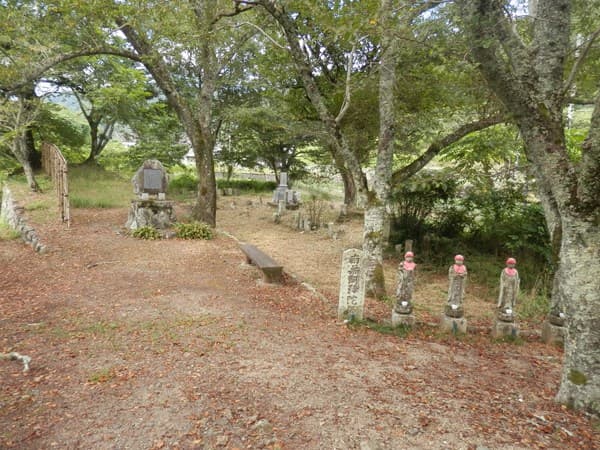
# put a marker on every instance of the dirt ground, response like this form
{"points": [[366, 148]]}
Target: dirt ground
{"points": [[179, 344]]}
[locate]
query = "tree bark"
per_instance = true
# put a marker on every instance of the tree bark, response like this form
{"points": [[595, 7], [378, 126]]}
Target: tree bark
{"points": [[532, 89], [378, 199]]}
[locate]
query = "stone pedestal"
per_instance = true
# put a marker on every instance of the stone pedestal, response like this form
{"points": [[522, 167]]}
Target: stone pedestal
{"points": [[155, 213], [504, 329], [407, 320], [453, 325], [553, 334]]}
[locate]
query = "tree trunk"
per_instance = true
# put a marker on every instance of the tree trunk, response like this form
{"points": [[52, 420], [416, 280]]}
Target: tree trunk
{"points": [[205, 208], [378, 198], [21, 151], [580, 286], [349, 188], [34, 157]]}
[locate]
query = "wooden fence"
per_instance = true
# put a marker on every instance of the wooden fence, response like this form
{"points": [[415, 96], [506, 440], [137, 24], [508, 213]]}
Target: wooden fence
{"points": [[55, 165]]}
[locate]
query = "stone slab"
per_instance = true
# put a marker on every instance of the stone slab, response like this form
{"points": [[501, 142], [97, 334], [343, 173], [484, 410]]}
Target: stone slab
{"points": [[453, 325], [504, 329], [553, 334], [402, 319], [352, 286]]}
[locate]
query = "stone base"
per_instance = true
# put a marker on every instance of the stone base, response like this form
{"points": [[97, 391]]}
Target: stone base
{"points": [[504, 329], [155, 213], [453, 325], [553, 334], [407, 320]]}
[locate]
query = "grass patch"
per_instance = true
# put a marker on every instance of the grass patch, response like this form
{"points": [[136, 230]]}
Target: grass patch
{"points": [[102, 375], [533, 306], [7, 233], [400, 331], [91, 186], [510, 339]]}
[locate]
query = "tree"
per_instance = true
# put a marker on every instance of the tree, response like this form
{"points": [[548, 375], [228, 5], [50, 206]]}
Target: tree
{"points": [[108, 90], [524, 61], [17, 114]]}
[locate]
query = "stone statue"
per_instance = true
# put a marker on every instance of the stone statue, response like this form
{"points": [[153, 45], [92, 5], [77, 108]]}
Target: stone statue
{"points": [[406, 284], [457, 274], [509, 289]]}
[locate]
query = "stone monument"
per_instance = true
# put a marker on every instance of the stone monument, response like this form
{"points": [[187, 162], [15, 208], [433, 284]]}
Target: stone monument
{"points": [[352, 286], [554, 329], [507, 300], [150, 207], [282, 193], [402, 312], [453, 319]]}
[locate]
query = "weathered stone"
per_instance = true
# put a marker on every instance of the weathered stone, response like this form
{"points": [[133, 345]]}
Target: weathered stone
{"points": [[406, 283], [155, 213], [504, 329], [553, 334], [509, 290], [457, 276], [453, 324], [402, 319], [150, 179], [352, 286]]}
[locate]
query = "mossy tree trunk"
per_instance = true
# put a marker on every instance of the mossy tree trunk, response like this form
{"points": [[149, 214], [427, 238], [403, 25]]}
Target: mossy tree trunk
{"points": [[533, 90]]}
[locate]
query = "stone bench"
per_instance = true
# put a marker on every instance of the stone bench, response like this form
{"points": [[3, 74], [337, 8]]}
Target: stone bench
{"points": [[270, 268]]}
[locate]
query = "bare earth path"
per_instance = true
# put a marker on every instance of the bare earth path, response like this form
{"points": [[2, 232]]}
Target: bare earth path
{"points": [[178, 344]]}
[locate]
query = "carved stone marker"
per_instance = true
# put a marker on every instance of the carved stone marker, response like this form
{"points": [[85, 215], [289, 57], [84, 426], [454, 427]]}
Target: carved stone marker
{"points": [[150, 207], [453, 318], [507, 300], [151, 178], [402, 312], [352, 286], [290, 199], [554, 329]]}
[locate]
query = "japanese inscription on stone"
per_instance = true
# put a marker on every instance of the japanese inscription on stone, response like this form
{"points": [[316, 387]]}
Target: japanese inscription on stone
{"points": [[152, 180], [352, 286]]}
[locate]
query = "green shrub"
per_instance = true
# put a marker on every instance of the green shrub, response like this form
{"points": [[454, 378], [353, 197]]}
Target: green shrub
{"points": [[183, 183], [247, 185], [7, 233], [147, 232], [193, 230]]}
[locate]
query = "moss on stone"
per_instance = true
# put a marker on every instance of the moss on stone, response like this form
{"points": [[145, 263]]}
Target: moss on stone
{"points": [[576, 377]]}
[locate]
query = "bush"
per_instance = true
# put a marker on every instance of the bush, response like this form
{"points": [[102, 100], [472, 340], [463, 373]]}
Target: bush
{"points": [[247, 185], [147, 232], [183, 183], [194, 230]]}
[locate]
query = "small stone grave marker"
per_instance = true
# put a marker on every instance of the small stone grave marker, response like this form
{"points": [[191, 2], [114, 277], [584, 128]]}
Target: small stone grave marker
{"points": [[352, 286]]}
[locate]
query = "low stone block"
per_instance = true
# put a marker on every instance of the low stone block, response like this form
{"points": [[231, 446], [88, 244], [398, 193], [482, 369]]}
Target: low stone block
{"points": [[504, 329], [407, 320], [553, 334], [453, 325]]}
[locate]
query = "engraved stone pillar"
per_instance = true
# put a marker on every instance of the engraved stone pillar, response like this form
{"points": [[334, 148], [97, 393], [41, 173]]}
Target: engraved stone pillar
{"points": [[352, 286]]}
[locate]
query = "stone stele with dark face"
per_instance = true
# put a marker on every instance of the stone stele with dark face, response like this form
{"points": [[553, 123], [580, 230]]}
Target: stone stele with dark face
{"points": [[151, 178]]}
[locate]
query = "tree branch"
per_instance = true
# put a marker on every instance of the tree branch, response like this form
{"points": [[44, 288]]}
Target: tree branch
{"points": [[347, 92], [37, 72], [579, 61], [436, 147]]}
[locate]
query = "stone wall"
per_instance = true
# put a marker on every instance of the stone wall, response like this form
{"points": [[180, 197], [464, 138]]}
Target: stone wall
{"points": [[12, 214]]}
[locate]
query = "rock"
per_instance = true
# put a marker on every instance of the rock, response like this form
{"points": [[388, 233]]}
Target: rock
{"points": [[263, 425]]}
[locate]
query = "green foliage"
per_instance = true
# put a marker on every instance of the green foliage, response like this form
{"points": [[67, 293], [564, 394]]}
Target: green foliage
{"points": [[247, 185], [91, 186], [147, 232], [7, 233], [400, 331], [183, 183], [193, 230], [414, 201]]}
